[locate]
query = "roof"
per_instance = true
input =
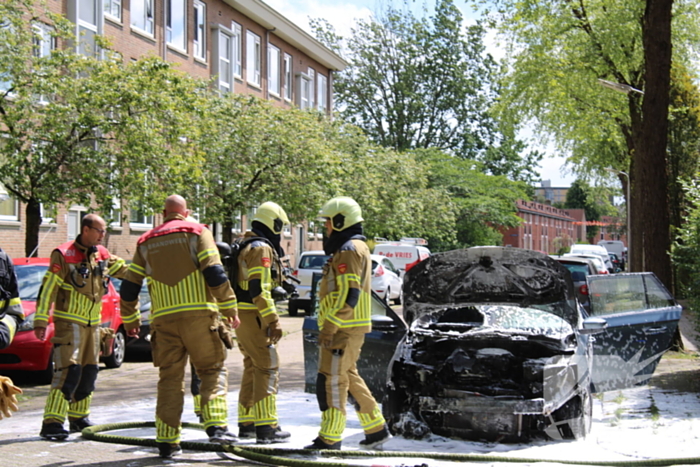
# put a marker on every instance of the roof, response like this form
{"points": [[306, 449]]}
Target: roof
{"points": [[280, 26]]}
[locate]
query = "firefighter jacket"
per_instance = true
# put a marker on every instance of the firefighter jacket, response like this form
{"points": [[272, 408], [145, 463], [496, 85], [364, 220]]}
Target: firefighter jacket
{"points": [[10, 303], [75, 282], [256, 262], [349, 268], [181, 265]]}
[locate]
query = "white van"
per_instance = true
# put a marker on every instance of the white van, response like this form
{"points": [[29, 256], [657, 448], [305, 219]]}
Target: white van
{"points": [[617, 247], [405, 253], [586, 249]]}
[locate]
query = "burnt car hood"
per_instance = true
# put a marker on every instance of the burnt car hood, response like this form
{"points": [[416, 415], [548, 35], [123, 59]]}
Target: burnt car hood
{"points": [[479, 275]]}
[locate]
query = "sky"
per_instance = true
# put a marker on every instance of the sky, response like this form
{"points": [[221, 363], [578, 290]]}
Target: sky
{"points": [[342, 13], [630, 425]]}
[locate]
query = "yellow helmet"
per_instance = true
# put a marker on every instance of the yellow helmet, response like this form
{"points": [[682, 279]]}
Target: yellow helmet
{"points": [[342, 211], [271, 215]]}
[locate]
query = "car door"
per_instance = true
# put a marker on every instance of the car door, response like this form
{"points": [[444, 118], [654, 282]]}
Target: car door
{"points": [[387, 330], [641, 317], [395, 278]]}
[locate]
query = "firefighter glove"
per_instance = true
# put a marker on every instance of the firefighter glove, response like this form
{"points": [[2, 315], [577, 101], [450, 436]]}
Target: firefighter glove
{"points": [[8, 401], [274, 331]]}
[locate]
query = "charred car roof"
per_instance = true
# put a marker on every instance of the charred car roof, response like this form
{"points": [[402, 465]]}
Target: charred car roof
{"points": [[503, 275]]}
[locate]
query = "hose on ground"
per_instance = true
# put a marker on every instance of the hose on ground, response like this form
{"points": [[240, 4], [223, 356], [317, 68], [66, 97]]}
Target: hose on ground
{"points": [[275, 456]]}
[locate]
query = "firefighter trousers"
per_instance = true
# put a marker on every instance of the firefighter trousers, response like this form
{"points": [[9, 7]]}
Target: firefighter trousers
{"points": [[76, 353], [257, 399], [174, 338], [338, 376]]}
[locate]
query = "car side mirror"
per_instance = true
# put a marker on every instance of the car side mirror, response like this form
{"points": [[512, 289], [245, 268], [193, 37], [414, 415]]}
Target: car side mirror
{"points": [[594, 326]]}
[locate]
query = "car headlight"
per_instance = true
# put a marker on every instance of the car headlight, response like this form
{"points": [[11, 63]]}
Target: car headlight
{"points": [[27, 324]]}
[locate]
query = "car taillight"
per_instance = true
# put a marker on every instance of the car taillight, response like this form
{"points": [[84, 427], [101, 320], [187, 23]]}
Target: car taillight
{"points": [[604, 271], [379, 271], [295, 273], [583, 290], [410, 265]]}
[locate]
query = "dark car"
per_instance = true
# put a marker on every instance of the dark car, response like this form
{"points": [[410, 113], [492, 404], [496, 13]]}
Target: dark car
{"points": [[580, 268], [27, 353], [142, 343], [498, 347]]}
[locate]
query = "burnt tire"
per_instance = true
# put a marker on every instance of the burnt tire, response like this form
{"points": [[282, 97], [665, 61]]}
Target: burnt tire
{"points": [[573, 419], [292, 308]]}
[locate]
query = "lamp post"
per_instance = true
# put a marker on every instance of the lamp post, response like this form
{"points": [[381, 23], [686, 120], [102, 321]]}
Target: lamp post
{"points": [[619, 87], [629, 213]]}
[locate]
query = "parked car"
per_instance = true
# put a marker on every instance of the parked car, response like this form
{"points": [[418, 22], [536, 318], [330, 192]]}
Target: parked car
{"points": [[617, 247], [579, 268], [309, 262], [616, 261], [581, 249], [498, 348], [386, 279], [404, 254], [142, 343], [598, 263], [27, 353]]}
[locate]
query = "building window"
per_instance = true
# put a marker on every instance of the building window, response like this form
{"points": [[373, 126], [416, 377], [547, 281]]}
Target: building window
{"points": [[87, 20], [113, 8], [288, 77], [142, 15], [312, 79], [139, 218], [223, 48], [176, 23], [8, 206], [322, 94], [253, 58], [273, 69], [303, 91], [43, 42], [199, 43]]}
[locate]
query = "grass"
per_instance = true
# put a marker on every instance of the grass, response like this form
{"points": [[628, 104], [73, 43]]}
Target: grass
{"points": [[687, 355]]}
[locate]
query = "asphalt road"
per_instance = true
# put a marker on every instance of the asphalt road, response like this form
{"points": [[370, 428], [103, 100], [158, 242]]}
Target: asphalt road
{"points": [[136, 381]]}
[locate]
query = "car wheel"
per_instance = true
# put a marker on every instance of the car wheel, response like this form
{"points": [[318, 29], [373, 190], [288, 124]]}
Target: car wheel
{"points": [[116, 359], [399, 299], [387, 297], [293, 308], [45, 376]]}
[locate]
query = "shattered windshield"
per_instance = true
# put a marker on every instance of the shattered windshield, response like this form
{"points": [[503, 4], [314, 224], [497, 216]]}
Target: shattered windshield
{"points": [[537, 319]]}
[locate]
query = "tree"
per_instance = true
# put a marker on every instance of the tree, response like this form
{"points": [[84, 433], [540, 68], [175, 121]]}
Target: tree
{"points": [[426, 83], [79, 128], [559, 51], [579, 196]]}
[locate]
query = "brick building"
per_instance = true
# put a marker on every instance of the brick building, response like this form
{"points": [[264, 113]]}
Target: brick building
{"points": [[544, 228], [245, 45]]}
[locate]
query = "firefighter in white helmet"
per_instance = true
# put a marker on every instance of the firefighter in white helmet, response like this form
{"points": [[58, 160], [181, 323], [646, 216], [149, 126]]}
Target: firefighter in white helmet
{"points": [[344, 319], [259, 271]]}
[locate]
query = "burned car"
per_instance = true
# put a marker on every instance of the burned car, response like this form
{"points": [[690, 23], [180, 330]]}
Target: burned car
{"points": [[499, 349], [493, 345]]}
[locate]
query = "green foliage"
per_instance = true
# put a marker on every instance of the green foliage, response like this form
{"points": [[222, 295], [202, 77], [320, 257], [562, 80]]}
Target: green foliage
{"points": [[593, 200], [418, 83], [686, 250]]}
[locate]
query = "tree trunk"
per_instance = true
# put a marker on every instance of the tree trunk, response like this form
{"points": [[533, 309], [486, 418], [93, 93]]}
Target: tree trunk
{"points": [[650, 210], [31, 238], [226, 235]]}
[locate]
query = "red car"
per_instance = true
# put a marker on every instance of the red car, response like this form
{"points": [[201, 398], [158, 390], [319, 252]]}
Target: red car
{"points": [[27, 353]]}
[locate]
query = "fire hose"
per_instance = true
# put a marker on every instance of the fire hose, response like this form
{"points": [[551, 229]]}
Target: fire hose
{"points": [[276, 456]]}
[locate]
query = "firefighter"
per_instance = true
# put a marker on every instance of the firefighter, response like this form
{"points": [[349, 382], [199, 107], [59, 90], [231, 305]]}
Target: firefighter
{"points": [[258, 267], [189, 290], [11, 313], [344, 319], [75, 282]]}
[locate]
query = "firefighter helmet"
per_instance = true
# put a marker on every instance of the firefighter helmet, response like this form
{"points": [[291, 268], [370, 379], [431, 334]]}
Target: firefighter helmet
{"points": [[271, 215], [342, 211]]}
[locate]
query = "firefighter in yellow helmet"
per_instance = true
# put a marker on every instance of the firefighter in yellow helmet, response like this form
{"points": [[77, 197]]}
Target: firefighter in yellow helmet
{"points": [[259, 271], [344, 319]]}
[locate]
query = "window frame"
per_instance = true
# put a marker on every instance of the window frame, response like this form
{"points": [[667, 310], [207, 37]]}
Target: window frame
{"points": [[109, 5], [199, 45], [288, 77], [273, 70], [169, 25], [322, 93], [253, 58], [147, 7], [4, 217], [220, 31], [303, 91]]}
